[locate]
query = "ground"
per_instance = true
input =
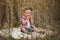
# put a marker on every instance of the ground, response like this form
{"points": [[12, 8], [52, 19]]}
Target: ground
{"points": [[17, 34]]}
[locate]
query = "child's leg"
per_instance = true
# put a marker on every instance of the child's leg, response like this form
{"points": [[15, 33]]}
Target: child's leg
{"points": [[35, 28], [24, 30]]}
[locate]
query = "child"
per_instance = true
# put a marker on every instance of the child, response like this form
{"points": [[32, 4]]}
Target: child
{"points": [[27, 21]]}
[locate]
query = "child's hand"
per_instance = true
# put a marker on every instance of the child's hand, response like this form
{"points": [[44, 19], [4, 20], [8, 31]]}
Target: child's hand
{"points": [[28, 17]]}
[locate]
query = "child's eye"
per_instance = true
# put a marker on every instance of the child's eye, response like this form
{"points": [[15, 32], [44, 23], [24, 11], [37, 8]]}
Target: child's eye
{"points": [[26, 13]]}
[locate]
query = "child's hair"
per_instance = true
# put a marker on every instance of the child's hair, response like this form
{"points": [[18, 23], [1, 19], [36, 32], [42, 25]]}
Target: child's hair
{"points": [[28, 8]]}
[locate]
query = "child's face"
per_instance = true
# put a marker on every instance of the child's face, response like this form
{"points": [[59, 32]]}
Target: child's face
{"points": [[27, 12]]}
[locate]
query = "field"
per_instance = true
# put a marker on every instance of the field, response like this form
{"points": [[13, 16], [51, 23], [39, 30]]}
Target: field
{"points": [[46, 14]]}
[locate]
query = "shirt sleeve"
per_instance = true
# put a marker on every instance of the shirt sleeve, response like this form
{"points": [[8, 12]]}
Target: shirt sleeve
{"points": [[23, 18]]}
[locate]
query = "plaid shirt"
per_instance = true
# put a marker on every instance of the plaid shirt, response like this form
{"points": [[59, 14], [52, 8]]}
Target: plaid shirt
{"points": [[24, 25]]}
